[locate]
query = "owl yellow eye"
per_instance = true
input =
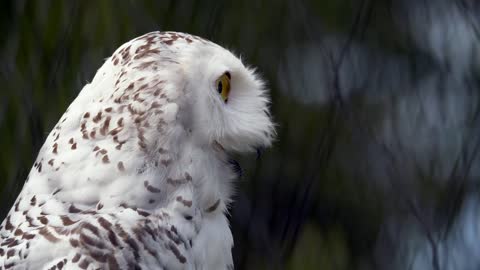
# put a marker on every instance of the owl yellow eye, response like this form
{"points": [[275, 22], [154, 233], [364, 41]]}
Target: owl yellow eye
{"points": [[223, 86]]}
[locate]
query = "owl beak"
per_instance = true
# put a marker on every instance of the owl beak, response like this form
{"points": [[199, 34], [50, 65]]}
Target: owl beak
{"points": [[236, 167], [260, 150], [217, 146]]}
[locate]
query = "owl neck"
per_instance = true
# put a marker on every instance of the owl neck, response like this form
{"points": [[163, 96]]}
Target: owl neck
{"points": [[201, 169]]}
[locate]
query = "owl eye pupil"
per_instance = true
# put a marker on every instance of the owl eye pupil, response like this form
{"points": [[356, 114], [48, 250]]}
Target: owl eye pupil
{"points": [[220, 87]]}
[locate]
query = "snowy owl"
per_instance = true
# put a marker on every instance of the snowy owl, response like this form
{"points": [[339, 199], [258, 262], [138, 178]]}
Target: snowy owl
{"points": [[136, 173]]}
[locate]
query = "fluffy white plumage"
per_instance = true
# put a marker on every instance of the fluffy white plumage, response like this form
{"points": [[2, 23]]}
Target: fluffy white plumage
{"points": [[136, 175]]}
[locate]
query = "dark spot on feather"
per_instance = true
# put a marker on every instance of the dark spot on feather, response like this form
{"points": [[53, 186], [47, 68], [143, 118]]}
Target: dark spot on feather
{"points": [[115, 131], [104, 223], [74, 243], [55, 150], [143, 213], [151, 188], [10, 253], [177, 253], [43, 220], [66, 221], [98, 117], [120, 122], [33, 201], [84, 239], [187, 203], [48, 235], [120, 166], [28, 236], [90, 227], [166, 162], [73, 209], [76, 258]]}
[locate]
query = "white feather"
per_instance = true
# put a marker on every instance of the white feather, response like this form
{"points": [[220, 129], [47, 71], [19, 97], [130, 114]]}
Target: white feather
{"points": [[135, 174]]}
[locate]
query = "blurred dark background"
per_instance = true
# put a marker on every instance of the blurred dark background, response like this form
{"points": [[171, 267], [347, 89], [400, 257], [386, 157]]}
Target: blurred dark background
{"points": [[376, 163]]}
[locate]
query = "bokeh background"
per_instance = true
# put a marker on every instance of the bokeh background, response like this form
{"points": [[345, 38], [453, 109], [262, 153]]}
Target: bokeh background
{"points": [[376, 162]]}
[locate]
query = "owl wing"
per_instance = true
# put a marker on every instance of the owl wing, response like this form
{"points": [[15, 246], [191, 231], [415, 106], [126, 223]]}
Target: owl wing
{"points": [[129, 239]]}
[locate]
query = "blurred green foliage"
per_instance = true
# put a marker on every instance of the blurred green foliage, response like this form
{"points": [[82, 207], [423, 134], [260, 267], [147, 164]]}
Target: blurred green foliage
{"points": [[50, 49]]}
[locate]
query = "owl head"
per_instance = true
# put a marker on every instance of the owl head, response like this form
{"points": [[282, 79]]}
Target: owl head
{"points": [[193, 83], [159, 99], [226, 103]]}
